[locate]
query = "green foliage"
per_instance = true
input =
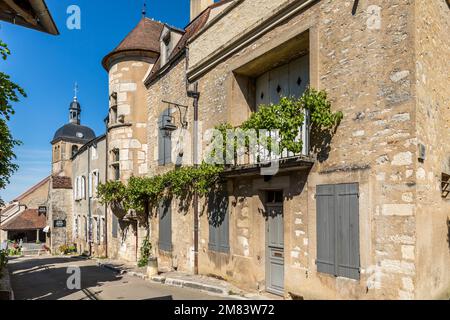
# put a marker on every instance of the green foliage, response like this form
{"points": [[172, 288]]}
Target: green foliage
{"points": [[289, 115], [3, 260], [146, 249], [9, 93], [68, 249], [15, 251], [149, 191]]}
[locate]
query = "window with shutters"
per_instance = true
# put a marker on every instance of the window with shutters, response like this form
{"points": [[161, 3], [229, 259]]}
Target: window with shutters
{"points": [[102, 230], [164, 139], [338, 230], [165, 225], [114, 226], [219, 230]]}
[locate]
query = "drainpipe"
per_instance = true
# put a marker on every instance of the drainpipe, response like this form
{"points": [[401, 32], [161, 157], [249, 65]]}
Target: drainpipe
{"points": [[196, 95]]}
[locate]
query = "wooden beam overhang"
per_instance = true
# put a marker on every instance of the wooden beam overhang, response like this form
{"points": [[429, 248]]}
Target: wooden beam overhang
{"points": [[32, 14]]}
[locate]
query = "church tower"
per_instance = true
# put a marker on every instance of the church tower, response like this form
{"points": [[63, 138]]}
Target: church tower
{"points": [[68, 140]]}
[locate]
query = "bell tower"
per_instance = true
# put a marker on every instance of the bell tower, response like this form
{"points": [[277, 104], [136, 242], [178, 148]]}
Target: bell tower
{"points": [[75, 108]]}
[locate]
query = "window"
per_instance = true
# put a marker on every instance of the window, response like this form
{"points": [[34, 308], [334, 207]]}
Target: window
{"points": [[95, 226], [102, 230], [113, 115], [94, 153], [83, 188], [165, 225], [75, 228], [86, 229], [219, 222], [338, 230], [116, 165], [164, 139], [115, 225], [94, 179], [80, 188], [74, 150]]}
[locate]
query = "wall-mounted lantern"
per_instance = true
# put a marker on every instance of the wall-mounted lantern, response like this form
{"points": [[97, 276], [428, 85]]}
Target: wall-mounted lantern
{"points": [[168, 121]]}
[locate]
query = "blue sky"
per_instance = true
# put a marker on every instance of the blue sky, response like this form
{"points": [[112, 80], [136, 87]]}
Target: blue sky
{"points": [[47, 66]]}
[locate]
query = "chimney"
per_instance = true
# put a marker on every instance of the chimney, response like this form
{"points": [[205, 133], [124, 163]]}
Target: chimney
{"points": [[197, 6]]}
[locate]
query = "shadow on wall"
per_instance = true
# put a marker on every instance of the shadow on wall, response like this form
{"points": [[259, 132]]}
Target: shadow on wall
{"points": [[448, 232]]}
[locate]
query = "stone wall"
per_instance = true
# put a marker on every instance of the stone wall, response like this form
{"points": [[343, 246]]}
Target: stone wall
{"points": [[129, 136], [363, 62], [172, 87], [432, 83], [59, 208], [89, 160], [390, 95]]}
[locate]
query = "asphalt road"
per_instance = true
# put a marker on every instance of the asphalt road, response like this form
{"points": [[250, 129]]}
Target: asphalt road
{"points": [[45, 278]]}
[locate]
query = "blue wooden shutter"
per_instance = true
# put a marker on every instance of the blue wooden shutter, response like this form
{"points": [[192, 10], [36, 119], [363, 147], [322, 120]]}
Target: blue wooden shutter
{"points": [[165, 226], [348, 262], [325, 229]]}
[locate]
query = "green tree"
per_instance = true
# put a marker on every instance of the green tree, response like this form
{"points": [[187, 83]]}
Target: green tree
{"points": [[9, 93]]}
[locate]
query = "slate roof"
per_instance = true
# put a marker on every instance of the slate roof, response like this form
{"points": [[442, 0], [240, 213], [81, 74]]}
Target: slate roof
{"points": [[75, 133], [144, 37], [30, 219], [195, 26]]}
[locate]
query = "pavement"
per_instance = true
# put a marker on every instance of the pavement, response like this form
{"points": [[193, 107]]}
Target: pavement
{"points": [[46, 278], [185, 280]]}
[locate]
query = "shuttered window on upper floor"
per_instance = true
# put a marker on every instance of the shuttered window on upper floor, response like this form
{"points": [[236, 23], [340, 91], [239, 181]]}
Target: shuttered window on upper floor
{"points": [[164, 139], [218, 218], [338, 230]]}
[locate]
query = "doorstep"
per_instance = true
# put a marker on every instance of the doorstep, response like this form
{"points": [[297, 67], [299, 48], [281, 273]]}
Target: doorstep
{"points": [[183, 280]]}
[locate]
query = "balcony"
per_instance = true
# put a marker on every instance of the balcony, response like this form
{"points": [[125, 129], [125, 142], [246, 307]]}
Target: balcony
{"points": [[254, 158]]}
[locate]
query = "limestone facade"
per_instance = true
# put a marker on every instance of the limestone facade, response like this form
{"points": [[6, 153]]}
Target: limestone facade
{"points": [[378, 63], [88, 217]]}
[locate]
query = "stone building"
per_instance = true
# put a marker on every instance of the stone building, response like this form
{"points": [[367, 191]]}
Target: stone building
{"points": [[89, 215], [65, 145], [363, 215], [21, 220]]}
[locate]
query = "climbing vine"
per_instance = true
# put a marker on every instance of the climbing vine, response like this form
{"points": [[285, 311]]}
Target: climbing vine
{"points": [[287, 116], [149, 191]]}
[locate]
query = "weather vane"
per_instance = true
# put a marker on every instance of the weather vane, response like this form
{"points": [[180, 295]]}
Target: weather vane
{"points": [[75, 90], [144, 9]]}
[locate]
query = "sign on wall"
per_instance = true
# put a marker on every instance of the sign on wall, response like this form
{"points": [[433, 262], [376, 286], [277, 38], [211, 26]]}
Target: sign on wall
{"points": [[42, 210], [59, 223]]}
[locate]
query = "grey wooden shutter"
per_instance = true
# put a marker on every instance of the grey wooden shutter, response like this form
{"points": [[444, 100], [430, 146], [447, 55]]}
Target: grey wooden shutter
{"points": [[219, 225], [165, 226], [325, 230], [338, 230], [167, 148], [164, 141], [115, 224], [348, 262], [161, 141]]}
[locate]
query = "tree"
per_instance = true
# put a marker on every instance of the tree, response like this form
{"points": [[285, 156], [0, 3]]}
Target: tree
{"points": [[9, 93]]}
